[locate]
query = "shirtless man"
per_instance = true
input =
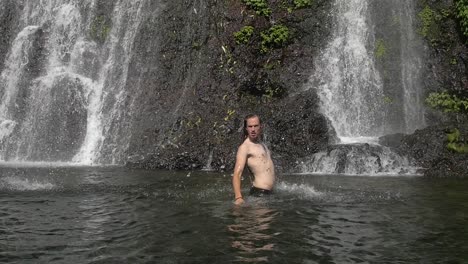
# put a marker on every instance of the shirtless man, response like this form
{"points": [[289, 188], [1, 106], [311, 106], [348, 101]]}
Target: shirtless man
{"points": [[257, 157]]}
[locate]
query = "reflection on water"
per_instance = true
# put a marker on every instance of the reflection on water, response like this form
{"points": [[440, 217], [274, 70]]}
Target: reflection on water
{"points": [[251, 234]]}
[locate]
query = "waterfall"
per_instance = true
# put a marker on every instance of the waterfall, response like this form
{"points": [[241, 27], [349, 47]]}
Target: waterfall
{"points": [[346, 79], [11, 76], [368, 81], [411, 69], [127, 17], [63, 95]]}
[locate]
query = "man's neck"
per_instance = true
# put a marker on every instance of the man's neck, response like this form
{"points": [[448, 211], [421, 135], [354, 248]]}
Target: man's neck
{"points": [[255, 141]]}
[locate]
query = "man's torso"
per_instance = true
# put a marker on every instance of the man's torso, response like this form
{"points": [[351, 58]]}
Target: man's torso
{"points": [[260, 164]]}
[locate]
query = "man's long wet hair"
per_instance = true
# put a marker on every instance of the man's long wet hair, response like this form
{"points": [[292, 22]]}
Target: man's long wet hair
{"points": [[245, 134]]}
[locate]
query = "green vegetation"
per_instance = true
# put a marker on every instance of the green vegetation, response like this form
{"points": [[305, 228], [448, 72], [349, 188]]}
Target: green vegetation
{"points": [[193, 123], [259, 6], [428, 20], [274, 37], [380, 49], [274, 91], [244, 35], [388, 100], [230, 114], [462, 14], [455, 143], [290, 6], [227, 60], [434, 22], [271, 65], [196, 45], [450, 104], [100, 28], [302, 3], [264, 30], [454, 136], [447, 103]]}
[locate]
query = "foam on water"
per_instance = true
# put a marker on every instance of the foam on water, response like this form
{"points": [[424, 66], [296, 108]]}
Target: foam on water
{"points": [[43, 164], [18, 184], [360, 161], [301, 190], [31, 164], [352, 140]]}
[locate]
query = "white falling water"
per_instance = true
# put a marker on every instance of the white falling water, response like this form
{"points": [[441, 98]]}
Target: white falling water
{"points": [[79, 76], [411, 68], [346, 80], [350, 87], [352, 93], [119, 50], [15, 67], [64, 30]]}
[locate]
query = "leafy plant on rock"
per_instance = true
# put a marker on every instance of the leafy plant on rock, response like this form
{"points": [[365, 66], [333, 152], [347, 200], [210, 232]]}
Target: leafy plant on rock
{"points": [[447, 103], [428, 21], [462, 14], [259, 6], [302, 3], [275, 37], [244, 35], [100, 28], [380, 49], [455, 143], [450, 104]]}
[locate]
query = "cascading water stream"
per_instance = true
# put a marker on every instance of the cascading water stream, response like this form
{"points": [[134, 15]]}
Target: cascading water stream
{"points": [[356, 98], [11, 75], [64, 81], [348, 84], [114, 79], [412, 63]]}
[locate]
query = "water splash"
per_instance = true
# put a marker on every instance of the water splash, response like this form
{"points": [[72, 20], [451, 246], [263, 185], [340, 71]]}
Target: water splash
{"points": [[298, 190], [207, 166], [18, 184]]}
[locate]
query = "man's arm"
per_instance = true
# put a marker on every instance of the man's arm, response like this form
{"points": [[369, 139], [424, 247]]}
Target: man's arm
{"points": [[241, 159]]}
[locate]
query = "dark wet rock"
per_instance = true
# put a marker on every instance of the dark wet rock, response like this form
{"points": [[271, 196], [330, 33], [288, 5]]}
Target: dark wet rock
{"points": [[8, 20], [428, 147], [392, 140], [205, 84], [296, 130]]}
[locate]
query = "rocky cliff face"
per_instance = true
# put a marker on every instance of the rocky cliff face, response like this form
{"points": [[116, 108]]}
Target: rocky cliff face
{"points": [[204, 83]]}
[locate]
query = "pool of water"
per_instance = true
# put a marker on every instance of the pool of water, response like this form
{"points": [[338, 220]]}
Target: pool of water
{"points": [[118, 215]]}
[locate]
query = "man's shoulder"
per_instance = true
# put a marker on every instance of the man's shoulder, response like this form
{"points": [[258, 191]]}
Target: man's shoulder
{"points": [[244, 145]]}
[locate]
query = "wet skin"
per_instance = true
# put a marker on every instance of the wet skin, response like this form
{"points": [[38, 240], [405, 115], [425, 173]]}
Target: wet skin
{"points": [[256, 156]]}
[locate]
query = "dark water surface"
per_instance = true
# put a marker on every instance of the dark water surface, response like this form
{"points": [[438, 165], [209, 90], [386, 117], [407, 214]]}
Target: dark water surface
{"points": [[118, 215]]}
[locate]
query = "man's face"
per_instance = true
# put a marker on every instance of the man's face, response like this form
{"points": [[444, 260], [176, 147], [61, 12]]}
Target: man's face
{"points": [[253, 128]]}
